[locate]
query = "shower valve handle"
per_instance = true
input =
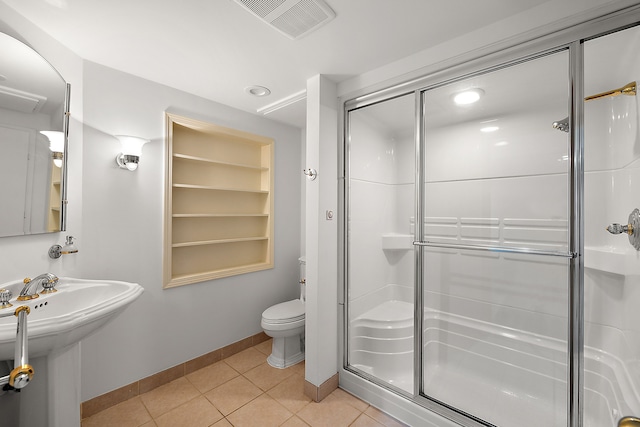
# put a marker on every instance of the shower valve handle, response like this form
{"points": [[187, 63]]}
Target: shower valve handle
{"points": [[632, 224], [619, 229]]}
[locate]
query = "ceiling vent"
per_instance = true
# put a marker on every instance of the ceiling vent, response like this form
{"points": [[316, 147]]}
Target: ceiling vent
{"points": [[293, 18]]}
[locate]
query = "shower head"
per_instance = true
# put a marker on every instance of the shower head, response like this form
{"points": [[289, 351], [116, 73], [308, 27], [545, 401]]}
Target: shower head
{"points": [[562, 125]]}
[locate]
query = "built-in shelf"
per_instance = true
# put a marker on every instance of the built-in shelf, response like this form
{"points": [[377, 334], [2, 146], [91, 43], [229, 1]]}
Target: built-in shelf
{"points": [[204, 160], [55, 199], [208, 187], [217, 242], [397, 242], [622, 261], [219, 202], [216, 215]]}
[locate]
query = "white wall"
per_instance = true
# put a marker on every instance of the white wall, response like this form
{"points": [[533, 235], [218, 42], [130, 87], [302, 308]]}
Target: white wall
{"points": [[26, 256], [117, 217], [123, 234], [321, 232]]}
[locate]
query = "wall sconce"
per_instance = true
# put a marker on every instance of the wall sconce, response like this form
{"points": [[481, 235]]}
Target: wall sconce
{"points": [[56, 145], [56, 251], [131, 151]]}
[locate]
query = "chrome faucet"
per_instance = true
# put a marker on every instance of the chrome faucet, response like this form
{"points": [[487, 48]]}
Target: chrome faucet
{"points": [[29, 291]]}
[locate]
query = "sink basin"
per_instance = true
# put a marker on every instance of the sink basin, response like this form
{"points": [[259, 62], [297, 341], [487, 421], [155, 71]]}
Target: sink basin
{"points": [[62, 318]]}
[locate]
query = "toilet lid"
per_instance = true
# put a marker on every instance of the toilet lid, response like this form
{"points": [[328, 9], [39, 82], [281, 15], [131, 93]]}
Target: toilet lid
{"points": [[284, 312]]}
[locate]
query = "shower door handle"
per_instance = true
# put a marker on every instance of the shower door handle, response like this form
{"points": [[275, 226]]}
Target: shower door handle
{"points": [[632, 229]]}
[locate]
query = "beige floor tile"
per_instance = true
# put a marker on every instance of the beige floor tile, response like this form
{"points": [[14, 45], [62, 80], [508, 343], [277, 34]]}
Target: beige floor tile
{"points": [[329, 413], [382, 418], [290, 393], [246, 359], [267, 377], [233, 394], [349, 399], [130, 413], [298, 368], [222, 423], [264, 347], [149, 424], [261, 412], [198, 412], [294, 422], [365, 421], [169, 396], [212, 376]]}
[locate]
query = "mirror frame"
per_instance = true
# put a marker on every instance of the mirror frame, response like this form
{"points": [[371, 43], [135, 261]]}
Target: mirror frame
{"points": [[65, 131]]}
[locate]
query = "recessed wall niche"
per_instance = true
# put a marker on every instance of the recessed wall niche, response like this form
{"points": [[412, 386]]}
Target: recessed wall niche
{"points": [[218, 202]]}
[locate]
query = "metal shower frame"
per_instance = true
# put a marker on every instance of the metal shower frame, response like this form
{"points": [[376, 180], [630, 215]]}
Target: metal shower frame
{"points": [[569, 39]]}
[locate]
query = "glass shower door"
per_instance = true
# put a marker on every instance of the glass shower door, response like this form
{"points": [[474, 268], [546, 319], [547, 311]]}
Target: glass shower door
{"points": [[380, 261], [494, 244]]}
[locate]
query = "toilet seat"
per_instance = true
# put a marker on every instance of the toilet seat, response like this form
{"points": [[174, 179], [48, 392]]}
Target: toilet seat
{"points": [[285, 312]]}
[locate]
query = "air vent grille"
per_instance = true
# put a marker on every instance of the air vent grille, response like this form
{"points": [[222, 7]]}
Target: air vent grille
{"points": [[262, 7], [294, 18]]}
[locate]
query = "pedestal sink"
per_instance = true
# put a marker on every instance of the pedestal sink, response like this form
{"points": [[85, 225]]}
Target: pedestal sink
{"points": [[59, 319], [56, 324]]}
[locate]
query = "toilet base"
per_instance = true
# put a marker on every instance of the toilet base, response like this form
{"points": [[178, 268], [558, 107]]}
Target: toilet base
{"points": [[286, 351]]}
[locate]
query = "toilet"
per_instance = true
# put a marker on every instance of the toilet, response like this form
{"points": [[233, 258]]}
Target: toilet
{"points": [[284, 322]]}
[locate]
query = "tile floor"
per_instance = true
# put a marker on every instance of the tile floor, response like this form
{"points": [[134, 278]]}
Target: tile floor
{"points": [[241, 390]]}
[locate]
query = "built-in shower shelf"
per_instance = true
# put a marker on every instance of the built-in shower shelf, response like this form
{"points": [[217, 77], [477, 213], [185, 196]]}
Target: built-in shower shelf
{"points": [[612, 260], [396, 242], [219, 202]]}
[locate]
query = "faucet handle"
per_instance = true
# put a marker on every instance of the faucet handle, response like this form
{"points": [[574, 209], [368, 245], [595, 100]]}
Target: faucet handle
{"points": [[632, 228], [5, 296], [619, 228], [49, 286]]}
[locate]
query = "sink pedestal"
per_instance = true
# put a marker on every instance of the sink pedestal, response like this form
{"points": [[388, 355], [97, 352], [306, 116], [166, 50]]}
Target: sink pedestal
{"points": [[52, 398], [63, 386]]}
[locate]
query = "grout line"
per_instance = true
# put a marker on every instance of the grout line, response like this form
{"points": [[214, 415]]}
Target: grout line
{"points": [[294, 413], [124, 393]]}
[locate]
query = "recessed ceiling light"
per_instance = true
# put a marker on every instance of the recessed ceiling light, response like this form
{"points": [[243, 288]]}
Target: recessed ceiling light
{"points": [[257, 90], [468, 96], [488, 129]]}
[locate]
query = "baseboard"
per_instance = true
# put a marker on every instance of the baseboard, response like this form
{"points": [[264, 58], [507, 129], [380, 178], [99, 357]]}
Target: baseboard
{"points": [[107, 400], [317, 393]]}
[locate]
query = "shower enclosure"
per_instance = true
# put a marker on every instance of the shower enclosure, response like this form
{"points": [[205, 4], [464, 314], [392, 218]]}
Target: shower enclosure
{"points": [[480, 281]]}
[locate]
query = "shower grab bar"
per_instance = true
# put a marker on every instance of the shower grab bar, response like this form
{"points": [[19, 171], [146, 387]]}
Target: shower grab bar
{"points": [[486, 248], [628, 89]]}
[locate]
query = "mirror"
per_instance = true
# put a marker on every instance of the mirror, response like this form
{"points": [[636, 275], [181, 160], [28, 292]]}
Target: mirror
{"points": [[34, 105]]}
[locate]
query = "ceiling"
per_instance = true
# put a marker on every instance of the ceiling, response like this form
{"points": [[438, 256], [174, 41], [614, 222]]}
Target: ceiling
{"points": [[216, 48]]}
